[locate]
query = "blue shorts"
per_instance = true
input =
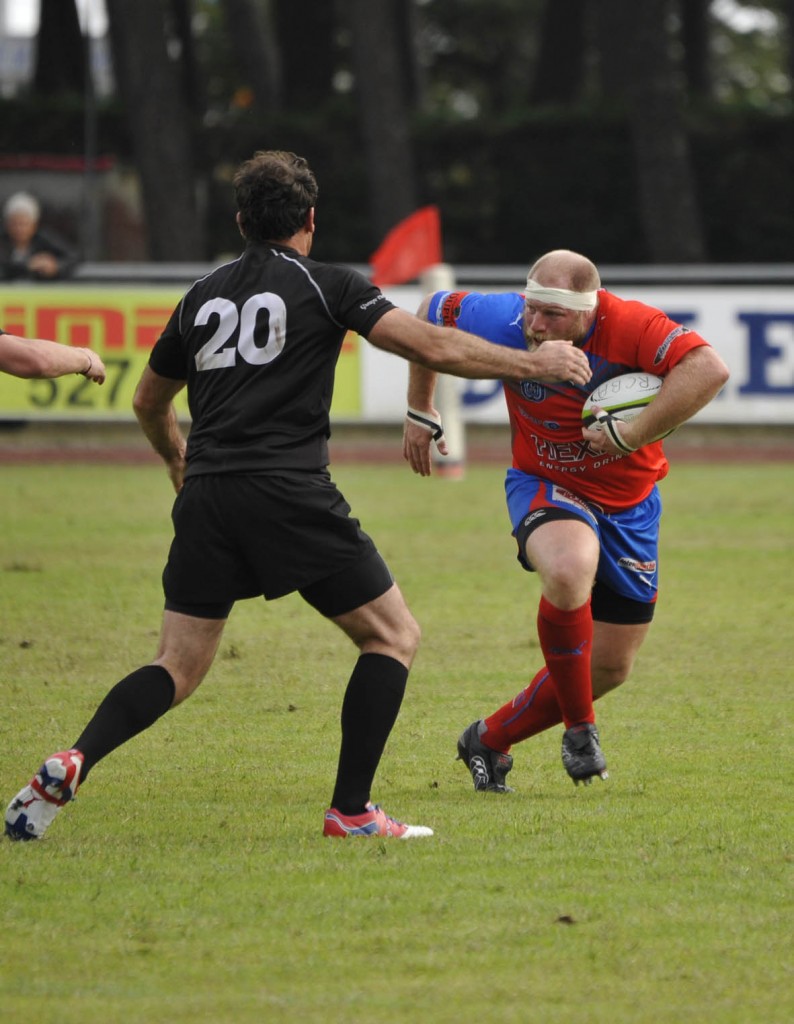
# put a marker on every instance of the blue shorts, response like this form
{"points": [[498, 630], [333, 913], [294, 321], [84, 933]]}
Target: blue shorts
{"points": [[629, 540]]}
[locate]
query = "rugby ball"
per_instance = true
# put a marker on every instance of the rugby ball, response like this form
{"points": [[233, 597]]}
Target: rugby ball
{"points": [[624, 396]]}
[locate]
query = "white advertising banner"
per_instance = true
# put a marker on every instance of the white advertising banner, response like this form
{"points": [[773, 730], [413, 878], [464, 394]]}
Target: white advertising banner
{"points": [[751, 326]]}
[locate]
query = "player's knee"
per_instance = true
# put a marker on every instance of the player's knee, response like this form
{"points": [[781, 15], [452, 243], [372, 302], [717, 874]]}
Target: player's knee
{"points": [[187, 678], [415, 635], [568, 581], [608, 677], [183, 687], [401, 639], [568, 588], [405, 638]]}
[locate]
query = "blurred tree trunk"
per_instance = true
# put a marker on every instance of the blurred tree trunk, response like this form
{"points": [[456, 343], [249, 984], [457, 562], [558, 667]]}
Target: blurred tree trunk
{"points": [[608, 20], [60, 51], [413, 76], [251, 28], [636, 61], [788, 19], [559, 70], [150, 83], [695, 38], [306, 31], [380, 66], [192, 80]]}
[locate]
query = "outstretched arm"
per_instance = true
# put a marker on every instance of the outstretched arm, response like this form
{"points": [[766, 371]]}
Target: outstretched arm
{"points": [[154, 406], [32, 358], [433, 349], [448, 350]]}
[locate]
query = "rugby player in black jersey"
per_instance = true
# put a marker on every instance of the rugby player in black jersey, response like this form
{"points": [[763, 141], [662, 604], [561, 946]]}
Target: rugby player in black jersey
{"points": [[256, 514]]}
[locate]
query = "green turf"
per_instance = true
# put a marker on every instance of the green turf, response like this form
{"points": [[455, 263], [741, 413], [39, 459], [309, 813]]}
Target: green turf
{"points": [[189, 882]]}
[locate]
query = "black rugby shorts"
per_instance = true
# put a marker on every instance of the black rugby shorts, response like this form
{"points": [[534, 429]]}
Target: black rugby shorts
{"points": [[242, 536]]}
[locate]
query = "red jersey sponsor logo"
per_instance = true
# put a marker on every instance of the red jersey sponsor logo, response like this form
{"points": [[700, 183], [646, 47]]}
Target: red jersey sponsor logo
{"points": [[450, 308], [634, 566]]}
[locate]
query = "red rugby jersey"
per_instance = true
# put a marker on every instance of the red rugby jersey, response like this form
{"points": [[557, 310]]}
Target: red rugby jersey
{"points": [[546, 420]]}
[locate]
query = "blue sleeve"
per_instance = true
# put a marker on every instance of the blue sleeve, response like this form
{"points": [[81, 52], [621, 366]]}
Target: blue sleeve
{"points": [[495, 317]]}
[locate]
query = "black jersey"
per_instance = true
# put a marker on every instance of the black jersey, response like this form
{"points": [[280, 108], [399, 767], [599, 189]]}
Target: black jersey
{"points": [[257, 341]]}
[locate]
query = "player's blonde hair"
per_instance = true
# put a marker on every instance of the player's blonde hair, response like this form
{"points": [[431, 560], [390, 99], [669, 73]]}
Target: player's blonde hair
{"points": [[562, 268]]}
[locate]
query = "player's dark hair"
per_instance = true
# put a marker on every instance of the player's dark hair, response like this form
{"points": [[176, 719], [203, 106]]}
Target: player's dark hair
{"points": [[274, 190]]}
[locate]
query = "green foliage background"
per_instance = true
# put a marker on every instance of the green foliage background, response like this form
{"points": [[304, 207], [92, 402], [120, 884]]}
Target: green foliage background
{"points": [[495, 182]]}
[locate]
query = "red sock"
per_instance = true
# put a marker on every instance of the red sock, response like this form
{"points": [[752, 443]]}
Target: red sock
{"points": [[566, 639], [534, 709]]}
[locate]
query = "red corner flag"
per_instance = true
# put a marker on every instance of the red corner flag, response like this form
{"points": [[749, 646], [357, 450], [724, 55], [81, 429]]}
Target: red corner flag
{"points": [[410, 247]]}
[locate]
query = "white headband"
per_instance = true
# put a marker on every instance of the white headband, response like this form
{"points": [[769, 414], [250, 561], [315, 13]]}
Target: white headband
{"points": [[561, 296]]}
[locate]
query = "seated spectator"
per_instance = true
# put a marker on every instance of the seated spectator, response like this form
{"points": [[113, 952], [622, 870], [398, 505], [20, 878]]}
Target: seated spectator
{"points": [[26, 252]]}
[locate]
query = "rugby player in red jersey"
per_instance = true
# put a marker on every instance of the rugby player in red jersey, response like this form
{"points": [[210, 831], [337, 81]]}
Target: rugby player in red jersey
{"points": [[583, 502]]}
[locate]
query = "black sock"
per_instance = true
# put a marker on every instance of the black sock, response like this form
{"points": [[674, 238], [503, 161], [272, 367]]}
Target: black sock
{"points": [[131, 706], [369, 710]]}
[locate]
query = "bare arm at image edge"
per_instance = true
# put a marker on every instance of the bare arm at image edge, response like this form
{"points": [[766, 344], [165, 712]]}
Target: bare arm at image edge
{"points": [[35, 358]]}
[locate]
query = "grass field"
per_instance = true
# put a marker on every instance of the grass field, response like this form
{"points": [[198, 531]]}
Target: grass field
{"points": [[189, 882]]}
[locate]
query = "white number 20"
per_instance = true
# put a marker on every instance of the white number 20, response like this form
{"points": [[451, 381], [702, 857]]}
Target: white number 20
{"points": [[213, 355]]}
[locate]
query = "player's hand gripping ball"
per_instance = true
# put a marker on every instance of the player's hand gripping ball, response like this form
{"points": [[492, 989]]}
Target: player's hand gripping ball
{"points": [[621, 398]]}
